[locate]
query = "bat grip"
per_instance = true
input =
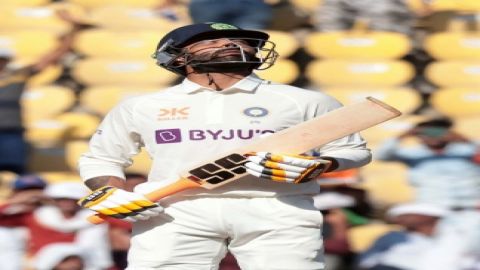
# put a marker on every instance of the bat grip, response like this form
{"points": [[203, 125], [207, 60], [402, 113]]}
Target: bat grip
{"points": [[156, 195]]}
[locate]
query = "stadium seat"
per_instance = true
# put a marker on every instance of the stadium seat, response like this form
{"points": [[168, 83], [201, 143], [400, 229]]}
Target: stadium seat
{"points": [[390, 129], [27, 3], [111, 43], [20, 42], [133, 18], [386, 183], [286, 43], [81, 125], [468, 126], [454, 73], [101, 99], [357, 45], [359, 73], [45, 102], [43, 18], [404, 99], [60, 176], [6, 180], [129, 3], [73, 150], [132, 71], [455, 5], [307, 5], [45, 133], [362, 237], [457, 102], [283, 71], [456, 45]]}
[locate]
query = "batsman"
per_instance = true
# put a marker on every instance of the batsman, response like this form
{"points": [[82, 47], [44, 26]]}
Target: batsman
{"points": [[267, 219]]}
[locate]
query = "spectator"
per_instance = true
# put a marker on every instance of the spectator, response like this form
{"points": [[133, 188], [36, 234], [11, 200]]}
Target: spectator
{"points": [[335, 227], [402, 250], [385, 15], [61, 221], [12, 84], [444, 167], [62, 256], [26, 195]]}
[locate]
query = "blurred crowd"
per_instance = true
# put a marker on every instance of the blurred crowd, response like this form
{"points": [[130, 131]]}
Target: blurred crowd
{"points": [[416, 207]]}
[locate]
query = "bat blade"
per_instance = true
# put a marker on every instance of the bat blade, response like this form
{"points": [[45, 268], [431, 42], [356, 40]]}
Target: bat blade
{"points": [[296, 140]]}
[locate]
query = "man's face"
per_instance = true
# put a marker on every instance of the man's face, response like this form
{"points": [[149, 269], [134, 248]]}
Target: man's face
{"points": [[220, 50]]}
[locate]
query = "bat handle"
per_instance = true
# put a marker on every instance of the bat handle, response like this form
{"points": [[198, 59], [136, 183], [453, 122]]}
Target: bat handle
{"points": [[156, 195]]}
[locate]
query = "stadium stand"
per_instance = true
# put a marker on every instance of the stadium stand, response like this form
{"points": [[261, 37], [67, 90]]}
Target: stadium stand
{"points": [[100, 99], [124, 71]]}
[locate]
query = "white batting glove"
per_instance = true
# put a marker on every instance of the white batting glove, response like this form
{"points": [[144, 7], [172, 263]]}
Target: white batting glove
{"points": [[285, 168], [121, 204]]}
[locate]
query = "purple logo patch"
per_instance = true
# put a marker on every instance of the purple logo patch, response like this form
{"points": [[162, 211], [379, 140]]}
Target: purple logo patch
{"points": [[168, 135]]}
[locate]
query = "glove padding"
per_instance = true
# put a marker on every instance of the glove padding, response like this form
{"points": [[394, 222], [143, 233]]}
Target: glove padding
{"points": [[284, 167], [121, 204]]}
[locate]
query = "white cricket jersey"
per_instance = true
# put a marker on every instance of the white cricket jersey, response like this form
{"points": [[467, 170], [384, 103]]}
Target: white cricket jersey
{"points": [[188, 123]]}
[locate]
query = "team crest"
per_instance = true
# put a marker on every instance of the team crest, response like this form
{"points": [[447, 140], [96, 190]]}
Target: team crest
{"points": [[255, 112]]}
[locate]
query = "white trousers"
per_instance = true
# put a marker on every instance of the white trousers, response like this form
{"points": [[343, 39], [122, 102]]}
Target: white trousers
{"points": [[278, 233]]}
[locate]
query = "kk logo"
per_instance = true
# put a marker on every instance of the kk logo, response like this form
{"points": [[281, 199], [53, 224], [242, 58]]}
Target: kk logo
{"points": [[173, 114]]}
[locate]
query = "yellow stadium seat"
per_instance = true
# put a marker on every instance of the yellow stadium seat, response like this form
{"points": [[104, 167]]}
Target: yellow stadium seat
{"points": [[132, 71], [60, 176], [386, 183], [392, 128], [457, 102], [283, 71], [37, 18], [129, 3], [21, 42], [454, 73], [468, 126], [110, 43], [28, 3], [81, 125], [404, 99], [46, 133], [456, 45], [362, 237], [307, 5], [6, 180], [455, 5], [133, 18], [73, 150], [101, 99], [359, 73], [44, 102], [357, 45], [286, 43]]}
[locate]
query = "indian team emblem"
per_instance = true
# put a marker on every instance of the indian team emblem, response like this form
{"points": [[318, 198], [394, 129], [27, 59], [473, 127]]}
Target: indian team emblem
{"points": [[222, 26], [255, 112]]}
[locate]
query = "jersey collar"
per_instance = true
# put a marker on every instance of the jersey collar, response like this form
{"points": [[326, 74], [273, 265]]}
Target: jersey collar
{"points": [[247, 84]]}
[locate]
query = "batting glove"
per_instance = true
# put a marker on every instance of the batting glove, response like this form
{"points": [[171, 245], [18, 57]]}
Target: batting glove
{"points": [[121, 204], [285, 168]]}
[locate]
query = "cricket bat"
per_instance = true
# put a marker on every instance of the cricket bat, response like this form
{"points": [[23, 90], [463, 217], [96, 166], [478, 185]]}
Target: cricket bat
{"points": [[296, 140]]}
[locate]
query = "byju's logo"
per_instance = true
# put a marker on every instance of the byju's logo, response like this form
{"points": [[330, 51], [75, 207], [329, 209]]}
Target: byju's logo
{"points": [[168, 136]]}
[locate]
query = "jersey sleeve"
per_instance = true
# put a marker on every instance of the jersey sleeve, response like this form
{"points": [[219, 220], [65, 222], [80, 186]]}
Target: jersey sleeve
{"points": [[350, 151], [112, 146]]}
